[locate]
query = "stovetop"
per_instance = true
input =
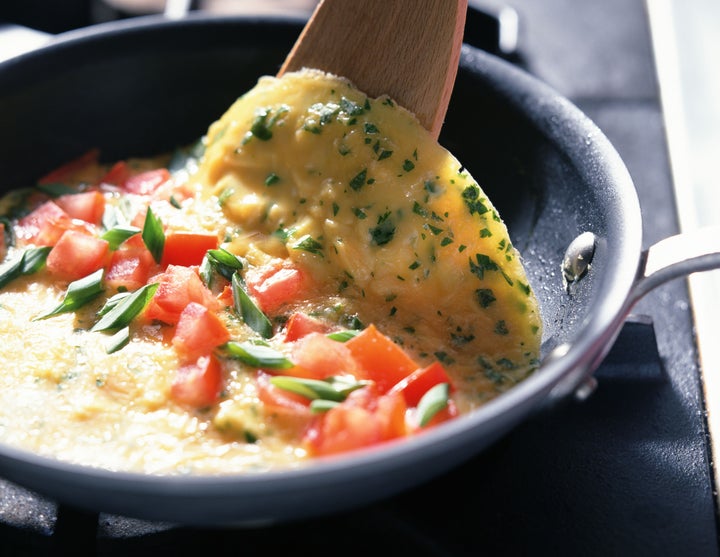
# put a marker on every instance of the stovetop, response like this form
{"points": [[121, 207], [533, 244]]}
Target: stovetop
{"points": [[625, 472]]}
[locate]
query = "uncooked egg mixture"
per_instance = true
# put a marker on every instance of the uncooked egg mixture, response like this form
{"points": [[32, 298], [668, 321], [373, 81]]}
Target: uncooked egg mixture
{"points": [[303, 172]]}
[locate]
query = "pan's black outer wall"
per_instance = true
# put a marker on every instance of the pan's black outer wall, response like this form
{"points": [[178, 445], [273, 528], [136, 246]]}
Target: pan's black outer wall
{"points": [[144, 87], [132, 92]]}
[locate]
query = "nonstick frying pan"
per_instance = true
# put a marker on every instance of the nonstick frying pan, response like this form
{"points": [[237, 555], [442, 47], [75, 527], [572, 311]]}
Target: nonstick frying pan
{"points": [[144, 86]]}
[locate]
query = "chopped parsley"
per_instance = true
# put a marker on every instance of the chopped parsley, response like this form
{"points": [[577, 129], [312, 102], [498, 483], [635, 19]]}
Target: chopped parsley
{"points": [[384, 231]]}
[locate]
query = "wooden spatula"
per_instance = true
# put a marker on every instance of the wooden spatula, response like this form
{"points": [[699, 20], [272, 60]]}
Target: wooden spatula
{"points": [[407, 49]]}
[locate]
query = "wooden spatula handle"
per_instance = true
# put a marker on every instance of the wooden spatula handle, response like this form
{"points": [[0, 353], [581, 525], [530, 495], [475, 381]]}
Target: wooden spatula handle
{"points": [[407, 49]]}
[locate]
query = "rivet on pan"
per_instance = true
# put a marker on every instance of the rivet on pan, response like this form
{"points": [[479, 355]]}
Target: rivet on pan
{"points": [[578, 257], [585, 389]]}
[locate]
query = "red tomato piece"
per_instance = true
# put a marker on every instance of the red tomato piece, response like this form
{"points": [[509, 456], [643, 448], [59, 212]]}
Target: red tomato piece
{"points": [[187, 248], [383, 360], [364, 419], [420, 381], [199, 331], [178, 286], [317, 357], [226, 297], [117, 175], [67, 170], [77, 255], [198, 384], [88, 206], [130, 267], [46, 223], [276, 284], [300, 325], [147, 182]]}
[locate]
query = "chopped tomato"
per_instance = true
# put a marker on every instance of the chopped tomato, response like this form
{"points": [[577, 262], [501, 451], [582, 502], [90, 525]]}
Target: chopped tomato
{"points": [[275, 285], [300, 325], [77, 255], [172, 190], [199, 331], [138, 221], [279, 400], [420, 381], [226, 296], [187, 248], [199, 383], [362, 420], [130, 268], [46, 223], [178, 286], [88, 206], [117, 175], [67, 170], [317, 357], [147, 182], [383, 360]]}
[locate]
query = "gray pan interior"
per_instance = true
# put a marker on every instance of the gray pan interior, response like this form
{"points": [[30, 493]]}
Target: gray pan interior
{"points": [[143, 87]]}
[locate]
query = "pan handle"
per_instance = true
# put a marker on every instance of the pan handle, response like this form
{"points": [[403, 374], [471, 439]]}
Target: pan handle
{"points": [[673, 257], [680, 255]]}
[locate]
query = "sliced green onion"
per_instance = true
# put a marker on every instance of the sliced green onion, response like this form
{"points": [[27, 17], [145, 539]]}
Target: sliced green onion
{"points": [[153, 235], [224, 262], [334, 389], [56, 189], [319, 406], [257, 354], [79, 293], [343, 336], [246, 308], [112, 302], [434, 400], [34, 259], [309, 388], [29, 262], [126, 309], [118, 340], [118, 234]]}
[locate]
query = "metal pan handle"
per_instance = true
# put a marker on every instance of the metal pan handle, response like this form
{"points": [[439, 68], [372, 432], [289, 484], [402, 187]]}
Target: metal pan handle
{"points": [[673, 257]]}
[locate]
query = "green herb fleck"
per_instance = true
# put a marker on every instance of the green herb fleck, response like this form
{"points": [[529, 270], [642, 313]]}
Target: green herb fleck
{"points": [[483, 263], [485, 297], [309, 244], [501, 328], [471, 196], [384, 231], [358, 181]]}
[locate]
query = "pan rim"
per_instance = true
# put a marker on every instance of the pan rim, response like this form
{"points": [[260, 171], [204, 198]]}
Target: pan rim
{"points": [[498, 415]]}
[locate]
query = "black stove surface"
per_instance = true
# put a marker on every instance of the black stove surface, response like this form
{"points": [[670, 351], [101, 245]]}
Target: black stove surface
{"points": [[626, 472]]}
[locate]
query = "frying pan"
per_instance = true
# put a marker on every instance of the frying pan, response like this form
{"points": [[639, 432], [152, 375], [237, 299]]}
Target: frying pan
{"points": [[144, 86]]}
